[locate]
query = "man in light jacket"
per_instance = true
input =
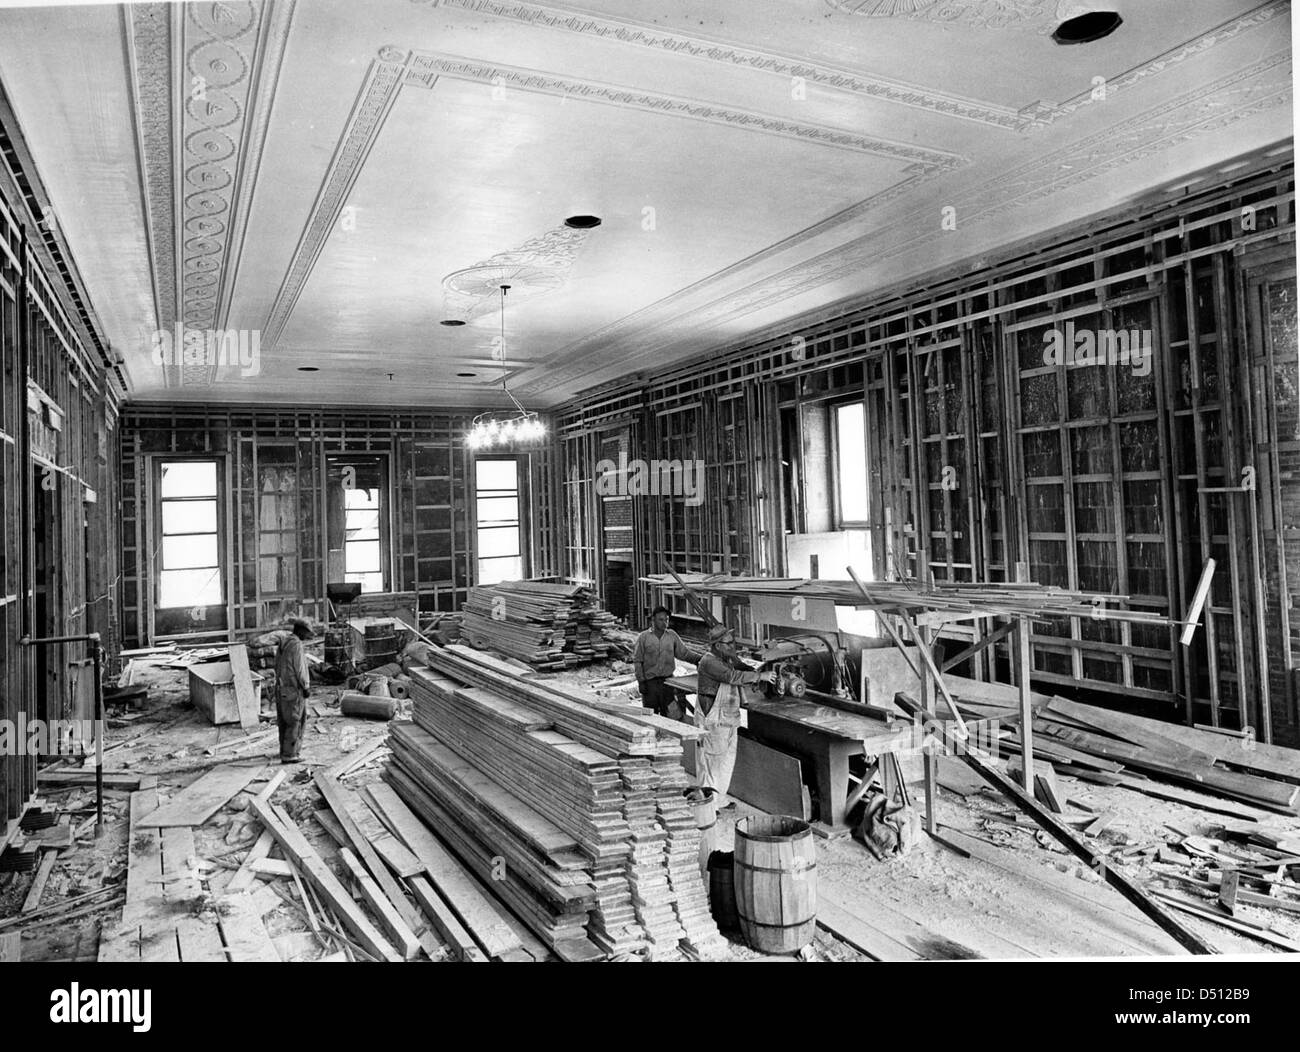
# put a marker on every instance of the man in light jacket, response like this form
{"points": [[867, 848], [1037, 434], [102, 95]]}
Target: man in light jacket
{"points": [[654, 659], [722, 686]]}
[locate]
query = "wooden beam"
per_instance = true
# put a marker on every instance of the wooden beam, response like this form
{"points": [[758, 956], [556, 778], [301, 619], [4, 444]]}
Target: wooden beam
{"points": [[475, 911], [304, 856], [389, 919], [336, 797], [980, 644], [983, 766]]}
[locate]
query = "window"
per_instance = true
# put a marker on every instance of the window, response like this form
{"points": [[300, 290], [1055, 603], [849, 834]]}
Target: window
{"points": [[358, 520], [497, 518], [851, 498], [361, 556], [190, 563], [277, 520]]}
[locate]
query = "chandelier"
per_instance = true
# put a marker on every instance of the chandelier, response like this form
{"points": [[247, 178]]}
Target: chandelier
{"points": [[491, 429]]}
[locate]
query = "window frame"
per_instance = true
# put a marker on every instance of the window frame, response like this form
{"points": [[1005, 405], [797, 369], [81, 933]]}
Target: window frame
{"points": [[837, 511], [521, 492], [218, 497]]}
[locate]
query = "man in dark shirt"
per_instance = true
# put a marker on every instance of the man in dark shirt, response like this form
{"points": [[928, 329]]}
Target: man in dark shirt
{"points": [[292, 684]]}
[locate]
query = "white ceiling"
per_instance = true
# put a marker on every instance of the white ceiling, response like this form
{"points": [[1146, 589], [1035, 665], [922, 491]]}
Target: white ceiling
{"points": [[751, 161]]}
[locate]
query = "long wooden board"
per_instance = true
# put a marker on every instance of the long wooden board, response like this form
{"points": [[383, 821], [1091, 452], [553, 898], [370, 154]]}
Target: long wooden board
{"points": [[202, 799], [475, 911], [341, 802], [300, 852], [247, 697], [380, 905], [1136, 895]]}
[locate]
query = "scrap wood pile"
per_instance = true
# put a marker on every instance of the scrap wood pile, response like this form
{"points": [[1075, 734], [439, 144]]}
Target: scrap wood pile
{"points": [[580, 796], [1246, 878], [548, 626], [1150, 756]]}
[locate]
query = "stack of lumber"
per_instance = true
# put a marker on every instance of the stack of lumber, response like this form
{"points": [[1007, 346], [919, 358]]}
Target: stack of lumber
{"points": [[988, 599], [569, 806], [1146, 755], [549, 626]]}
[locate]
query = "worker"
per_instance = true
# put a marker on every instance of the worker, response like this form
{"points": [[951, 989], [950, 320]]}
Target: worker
{"points": [[292, 684], [722, 687], [654, 659]]}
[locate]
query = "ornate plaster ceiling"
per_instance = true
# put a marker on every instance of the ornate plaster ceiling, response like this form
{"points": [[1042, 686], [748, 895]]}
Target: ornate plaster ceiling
{"points": [[337, 177]]}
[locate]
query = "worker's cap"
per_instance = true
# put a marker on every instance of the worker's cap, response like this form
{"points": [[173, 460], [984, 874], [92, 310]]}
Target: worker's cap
{"points": [[721, 633], [300, 628]]}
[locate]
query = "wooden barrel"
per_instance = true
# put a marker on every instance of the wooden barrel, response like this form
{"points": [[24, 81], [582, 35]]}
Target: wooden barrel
{"points": [[336, 647], [776, 882], [722, 890], [706, 819]]}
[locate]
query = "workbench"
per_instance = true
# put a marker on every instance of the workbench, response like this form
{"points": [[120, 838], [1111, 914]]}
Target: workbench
{"points": [[826, 737]]}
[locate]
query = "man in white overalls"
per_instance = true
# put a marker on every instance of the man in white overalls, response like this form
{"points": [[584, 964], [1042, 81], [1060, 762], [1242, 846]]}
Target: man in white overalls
{"points": [[721, 690]]}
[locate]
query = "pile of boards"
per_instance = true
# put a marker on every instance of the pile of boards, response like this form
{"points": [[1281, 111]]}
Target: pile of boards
{"points": [[1117, 748], [569, 806], [548, 626]]}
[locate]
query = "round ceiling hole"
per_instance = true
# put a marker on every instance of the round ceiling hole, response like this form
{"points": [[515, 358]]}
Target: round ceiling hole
{"points": [[452, 322], [308, 369], [1085, 28], [582, 222]]}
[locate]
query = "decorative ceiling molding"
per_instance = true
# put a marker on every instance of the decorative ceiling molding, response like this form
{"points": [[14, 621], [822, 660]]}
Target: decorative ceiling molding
{"points": [[982, 14], [425, 69], [649, 333], [1168, 60], [378, 93], [395, 68], [538, 266], [665, 40], [201, 129], [148, 32]]}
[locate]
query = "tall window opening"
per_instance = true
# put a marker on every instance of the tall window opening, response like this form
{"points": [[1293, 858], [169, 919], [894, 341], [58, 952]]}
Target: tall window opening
{"points": [[498, 520], [190, 551]]}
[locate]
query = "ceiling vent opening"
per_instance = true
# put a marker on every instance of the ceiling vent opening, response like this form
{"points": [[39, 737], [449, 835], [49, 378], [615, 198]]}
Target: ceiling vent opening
{"points": [[582, 222], [451, 322], [1087, 27]]}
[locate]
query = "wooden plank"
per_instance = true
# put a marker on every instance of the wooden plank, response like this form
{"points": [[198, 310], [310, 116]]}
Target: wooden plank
{"points": [[403, 938], [475, 911], [243, 931], [304, 856], [1228, 891], [984, 768], [126, 780], [861, 935], [769, 779], [245, 875], [43, 871], [11, 947], [247, 697], [271, 867], [341, 803], [1254, 931], [202, 799], [453, 933]]}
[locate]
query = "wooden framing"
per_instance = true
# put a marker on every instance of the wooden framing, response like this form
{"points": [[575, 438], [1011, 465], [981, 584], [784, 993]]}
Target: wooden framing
{"points": [[939, 367]]}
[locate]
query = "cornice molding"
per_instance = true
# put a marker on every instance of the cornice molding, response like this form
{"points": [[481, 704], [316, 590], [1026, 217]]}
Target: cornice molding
{"points": [[664, 40], [649, 333]]}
